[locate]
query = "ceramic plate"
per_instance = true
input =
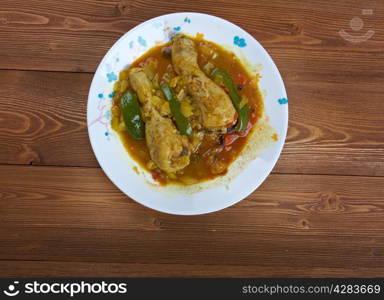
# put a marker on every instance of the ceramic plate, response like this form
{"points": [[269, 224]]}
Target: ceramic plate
{"points": [[109, 150]]}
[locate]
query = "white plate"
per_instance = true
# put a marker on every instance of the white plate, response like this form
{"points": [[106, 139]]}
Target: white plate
{"points": [[109, 150]]}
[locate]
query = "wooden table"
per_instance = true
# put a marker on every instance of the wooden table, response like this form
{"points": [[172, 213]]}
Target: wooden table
{"points": [[320, 213]]}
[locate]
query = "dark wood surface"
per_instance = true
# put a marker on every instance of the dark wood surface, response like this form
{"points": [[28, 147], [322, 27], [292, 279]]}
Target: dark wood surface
{"points": [[321, 212]]}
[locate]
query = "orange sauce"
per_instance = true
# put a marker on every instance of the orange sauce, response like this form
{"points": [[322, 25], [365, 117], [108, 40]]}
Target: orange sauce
{"points": [[199, 169]]}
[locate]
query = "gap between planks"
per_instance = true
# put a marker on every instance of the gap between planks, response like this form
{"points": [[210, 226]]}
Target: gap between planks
{"points": [[98, 167]]}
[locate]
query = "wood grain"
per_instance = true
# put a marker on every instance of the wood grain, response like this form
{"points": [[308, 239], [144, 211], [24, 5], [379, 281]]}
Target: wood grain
{"points": [[61, 216], [43, 122], [73, 35], [42, 118], [75, 197], [84, 269], [316, 222]]}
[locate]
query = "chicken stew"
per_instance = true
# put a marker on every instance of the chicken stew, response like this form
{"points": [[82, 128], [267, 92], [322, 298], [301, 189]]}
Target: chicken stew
{"points": [[184, 110]]}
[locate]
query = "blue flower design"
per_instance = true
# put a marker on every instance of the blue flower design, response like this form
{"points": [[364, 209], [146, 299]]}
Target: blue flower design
{"points": [[111, 94], [238, 41], [283, 101], [187, 20], [111, 77], [130, 44], [100, 95], [106, 133], [177, 28], [142, 41]]}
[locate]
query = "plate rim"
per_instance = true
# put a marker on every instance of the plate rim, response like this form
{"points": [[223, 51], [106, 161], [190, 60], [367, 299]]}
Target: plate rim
{"points": [[281, 87]]}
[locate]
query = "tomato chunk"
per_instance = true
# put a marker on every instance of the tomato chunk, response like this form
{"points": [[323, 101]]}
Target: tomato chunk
{"points": [[242, 79]]}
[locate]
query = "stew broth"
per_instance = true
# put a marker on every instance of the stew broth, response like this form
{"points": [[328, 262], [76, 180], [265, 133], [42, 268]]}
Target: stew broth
{"points": [[200, 168]]}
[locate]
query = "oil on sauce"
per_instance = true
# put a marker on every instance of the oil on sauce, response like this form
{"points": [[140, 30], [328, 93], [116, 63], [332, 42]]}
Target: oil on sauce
{"points": [[199, 168]]}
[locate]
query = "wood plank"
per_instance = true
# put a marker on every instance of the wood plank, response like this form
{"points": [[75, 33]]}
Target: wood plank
{"points": [[86, 269], [334, 128], [57, 221], [73, 35], [329, 223], [43, 118], [76, 197], [192, 247]]}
